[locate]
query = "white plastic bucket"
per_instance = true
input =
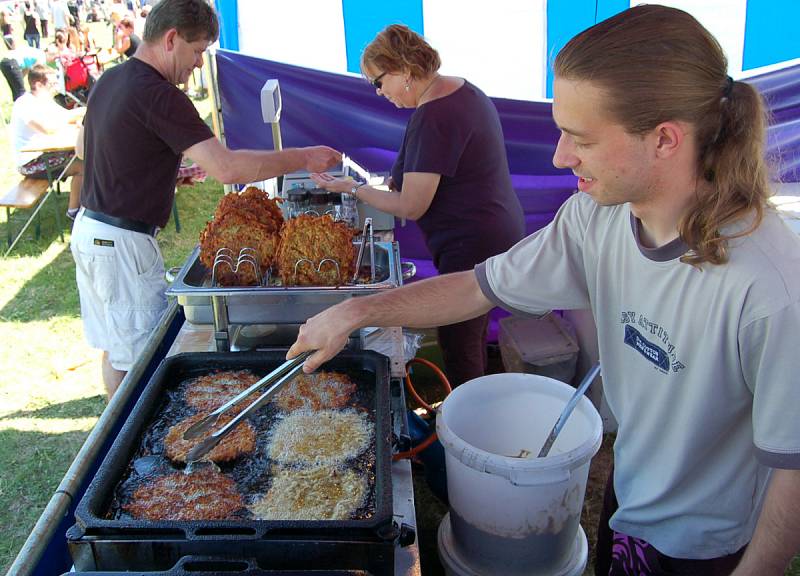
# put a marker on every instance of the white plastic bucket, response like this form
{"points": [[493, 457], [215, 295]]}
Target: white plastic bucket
{"points": [[510, 515], [455, 566]]}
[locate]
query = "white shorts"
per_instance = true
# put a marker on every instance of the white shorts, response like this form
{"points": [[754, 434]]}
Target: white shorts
{"points": [[120, 277]]}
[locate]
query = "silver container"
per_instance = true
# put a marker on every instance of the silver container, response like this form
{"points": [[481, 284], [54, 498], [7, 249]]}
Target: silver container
{"points": [[275, 304]]}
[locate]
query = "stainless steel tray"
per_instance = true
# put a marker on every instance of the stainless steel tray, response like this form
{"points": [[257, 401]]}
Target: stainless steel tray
{"points": [[275, 304]]}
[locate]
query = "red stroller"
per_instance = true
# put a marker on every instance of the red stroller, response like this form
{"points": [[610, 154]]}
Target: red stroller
{"points": [[80, 73]]}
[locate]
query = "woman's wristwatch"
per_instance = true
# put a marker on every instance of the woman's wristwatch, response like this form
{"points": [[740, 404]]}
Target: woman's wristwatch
{"points": [[354, 190]]}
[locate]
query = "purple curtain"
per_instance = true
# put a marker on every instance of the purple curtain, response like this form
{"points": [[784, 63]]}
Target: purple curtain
{"points": [[344, 112], [781, 90]]}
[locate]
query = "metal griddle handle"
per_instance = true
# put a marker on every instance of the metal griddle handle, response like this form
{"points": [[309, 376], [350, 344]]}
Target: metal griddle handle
{"points": [[293, 366]]}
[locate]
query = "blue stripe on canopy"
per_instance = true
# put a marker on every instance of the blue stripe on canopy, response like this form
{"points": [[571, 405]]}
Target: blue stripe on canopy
{"points": [[363, 19], [228, 12]]}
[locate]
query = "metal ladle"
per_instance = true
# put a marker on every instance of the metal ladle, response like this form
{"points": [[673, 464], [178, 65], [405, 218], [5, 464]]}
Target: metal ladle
{"points": [[562, 419]]}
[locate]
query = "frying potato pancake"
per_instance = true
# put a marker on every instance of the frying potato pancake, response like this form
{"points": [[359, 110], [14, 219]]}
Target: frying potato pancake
{"points": [[248, 220], [209, 392], [239, 441], [316, 392], [324, 437], [319, 493], [316, 238], [205, 494]]}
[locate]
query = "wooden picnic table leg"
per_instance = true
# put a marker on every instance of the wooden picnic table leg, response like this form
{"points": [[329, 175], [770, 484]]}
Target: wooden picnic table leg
{"points": [[175, 212], [8, 224]]}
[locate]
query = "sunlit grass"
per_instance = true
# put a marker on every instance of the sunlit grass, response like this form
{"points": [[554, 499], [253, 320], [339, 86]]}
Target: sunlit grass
{"points": [[49, 425]]}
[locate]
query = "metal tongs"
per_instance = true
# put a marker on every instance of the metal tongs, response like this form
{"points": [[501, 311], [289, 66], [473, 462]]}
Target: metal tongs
{"points": [[366, 233], [275, 380]]}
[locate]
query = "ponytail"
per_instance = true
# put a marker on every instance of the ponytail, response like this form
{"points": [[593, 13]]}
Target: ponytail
{"points": [[733, 163]]}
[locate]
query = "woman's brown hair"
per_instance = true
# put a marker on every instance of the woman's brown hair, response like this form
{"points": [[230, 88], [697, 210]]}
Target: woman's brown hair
{"points": [[397, 48], [659, 64]]}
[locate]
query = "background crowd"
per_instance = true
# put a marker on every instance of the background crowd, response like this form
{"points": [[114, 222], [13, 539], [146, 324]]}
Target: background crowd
{"points": [[57, 34]]}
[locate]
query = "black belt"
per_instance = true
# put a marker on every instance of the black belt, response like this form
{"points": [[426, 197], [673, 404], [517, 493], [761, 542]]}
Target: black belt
{"points": [[133, 225]]}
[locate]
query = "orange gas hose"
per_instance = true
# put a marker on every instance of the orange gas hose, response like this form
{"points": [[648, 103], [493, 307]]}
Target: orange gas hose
{"points": [[410, 387]]}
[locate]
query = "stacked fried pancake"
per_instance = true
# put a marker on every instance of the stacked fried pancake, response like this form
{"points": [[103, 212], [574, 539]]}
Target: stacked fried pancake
{"points": [[247, 220], [252, 219], [316, 251], [316, 392]]}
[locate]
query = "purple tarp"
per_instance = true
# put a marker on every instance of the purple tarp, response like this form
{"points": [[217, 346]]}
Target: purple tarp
{"points": [[344, 112], [781, 90]]}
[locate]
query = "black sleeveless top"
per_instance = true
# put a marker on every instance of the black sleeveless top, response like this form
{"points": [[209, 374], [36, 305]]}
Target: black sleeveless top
{"points": [[30, 25]]}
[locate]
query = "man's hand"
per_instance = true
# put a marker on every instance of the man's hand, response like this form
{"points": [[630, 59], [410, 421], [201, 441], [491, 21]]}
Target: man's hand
{"points": [[327, 333], [320, 158]]}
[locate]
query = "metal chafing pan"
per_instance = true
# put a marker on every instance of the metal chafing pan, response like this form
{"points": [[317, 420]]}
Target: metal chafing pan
{"points": [[101, 540], [276, 304]]}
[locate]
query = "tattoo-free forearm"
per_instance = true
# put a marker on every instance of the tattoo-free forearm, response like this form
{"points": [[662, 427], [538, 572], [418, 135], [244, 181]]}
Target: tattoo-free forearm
{"points": [[446, 299], [435, 302], [777, 537]]}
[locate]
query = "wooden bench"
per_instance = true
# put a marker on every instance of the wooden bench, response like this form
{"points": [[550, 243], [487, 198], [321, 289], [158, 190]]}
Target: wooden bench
{"points": [[28, 193]]}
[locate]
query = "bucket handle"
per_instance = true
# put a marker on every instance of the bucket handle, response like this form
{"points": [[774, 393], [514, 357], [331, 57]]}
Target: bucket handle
{"points": [[481, 462]]}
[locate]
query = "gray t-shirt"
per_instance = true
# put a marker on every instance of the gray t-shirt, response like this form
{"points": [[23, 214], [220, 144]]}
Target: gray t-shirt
{"points": [[701, 367]]}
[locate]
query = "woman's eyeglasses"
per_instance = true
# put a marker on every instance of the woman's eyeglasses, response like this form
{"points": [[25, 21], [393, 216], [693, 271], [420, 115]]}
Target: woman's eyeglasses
{"points": [[377, 81]]}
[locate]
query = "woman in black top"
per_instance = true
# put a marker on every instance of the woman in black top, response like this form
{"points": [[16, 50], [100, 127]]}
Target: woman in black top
{"points": [[451, 175], [32, 36], [126, 42]]}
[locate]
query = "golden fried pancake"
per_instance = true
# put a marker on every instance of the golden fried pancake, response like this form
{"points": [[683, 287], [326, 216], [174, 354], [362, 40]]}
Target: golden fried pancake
{"points": [[241, 440], [248, 220], [316, 238], [318, 391], [319, 493], [205, 494], [209, 392], [324, 437]]}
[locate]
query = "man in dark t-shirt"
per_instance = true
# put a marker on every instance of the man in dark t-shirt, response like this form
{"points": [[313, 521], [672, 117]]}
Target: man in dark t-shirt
{"points": [[138, 127]]}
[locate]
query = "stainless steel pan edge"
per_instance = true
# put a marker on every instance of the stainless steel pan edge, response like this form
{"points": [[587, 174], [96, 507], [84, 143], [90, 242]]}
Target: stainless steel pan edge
{"points": [[274, 304]]}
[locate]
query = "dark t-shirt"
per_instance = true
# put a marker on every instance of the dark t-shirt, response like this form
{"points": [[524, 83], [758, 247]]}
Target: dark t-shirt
{"points": [[137, 127], [475, 212]]}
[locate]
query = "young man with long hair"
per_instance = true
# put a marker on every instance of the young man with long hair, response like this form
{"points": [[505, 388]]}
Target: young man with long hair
{"points": [[694, 284]]}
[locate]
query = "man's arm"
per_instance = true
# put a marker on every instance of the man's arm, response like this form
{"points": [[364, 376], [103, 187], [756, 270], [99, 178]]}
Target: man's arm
{"points": [[434, 302], [777, 537], [239, 166]]}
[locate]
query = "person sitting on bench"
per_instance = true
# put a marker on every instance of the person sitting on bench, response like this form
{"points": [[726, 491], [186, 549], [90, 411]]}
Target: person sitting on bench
{"points": [[34, 116]]}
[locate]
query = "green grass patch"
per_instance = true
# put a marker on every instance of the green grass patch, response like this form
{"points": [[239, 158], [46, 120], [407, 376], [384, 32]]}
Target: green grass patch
{"points": [[51, 393]]}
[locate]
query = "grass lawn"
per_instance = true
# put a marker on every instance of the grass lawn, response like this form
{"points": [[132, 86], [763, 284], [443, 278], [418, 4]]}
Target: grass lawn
{"points": [[51, 393]]}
